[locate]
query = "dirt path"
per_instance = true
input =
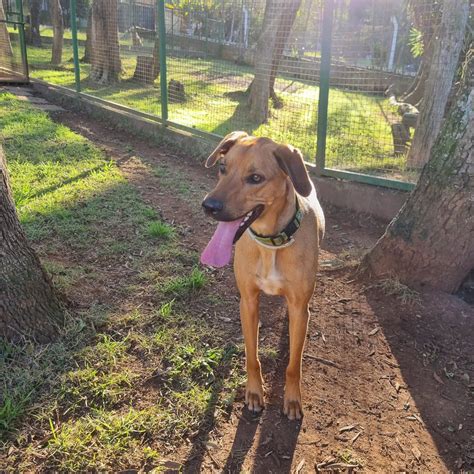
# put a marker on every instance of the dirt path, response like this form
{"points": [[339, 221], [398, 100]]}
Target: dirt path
{"points": [[387, 386]]}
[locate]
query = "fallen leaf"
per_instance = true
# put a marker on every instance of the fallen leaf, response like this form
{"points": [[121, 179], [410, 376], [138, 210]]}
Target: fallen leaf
{"points": [[300, 466], [374, 332], [438, 378], [416, 452]]}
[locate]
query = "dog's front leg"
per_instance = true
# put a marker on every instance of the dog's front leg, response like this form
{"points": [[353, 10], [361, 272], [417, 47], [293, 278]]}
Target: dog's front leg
{"points": [[298, 325], [249, 320]]}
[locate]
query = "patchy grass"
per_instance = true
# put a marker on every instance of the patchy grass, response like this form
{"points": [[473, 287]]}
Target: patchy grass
{"points": [[181, 286], [393, 287], [359, 131], [160, 230], [136, 369]]}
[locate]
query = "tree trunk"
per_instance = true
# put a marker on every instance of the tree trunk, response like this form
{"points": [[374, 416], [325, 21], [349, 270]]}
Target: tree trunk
{"points": [[277, 23], [431, 241], [58, 31], [287, 18], [6, 52], [148, 67], [28, 304], [88, 46], [34, 36], [444, 60], [105, 62]]}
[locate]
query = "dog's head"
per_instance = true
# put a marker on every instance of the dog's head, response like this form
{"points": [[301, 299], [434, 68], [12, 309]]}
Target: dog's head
{"points": [[253, 172]]}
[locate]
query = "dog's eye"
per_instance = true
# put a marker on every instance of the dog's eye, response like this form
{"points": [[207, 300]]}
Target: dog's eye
{"points": [[255, 179], [222, 168]]}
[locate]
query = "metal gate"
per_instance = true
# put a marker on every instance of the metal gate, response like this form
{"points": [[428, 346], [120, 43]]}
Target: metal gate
{"points": [[13, 59]]}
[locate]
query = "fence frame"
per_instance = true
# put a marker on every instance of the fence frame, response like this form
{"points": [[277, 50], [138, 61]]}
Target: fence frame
{"points": [[20, 23], [323, 99]]}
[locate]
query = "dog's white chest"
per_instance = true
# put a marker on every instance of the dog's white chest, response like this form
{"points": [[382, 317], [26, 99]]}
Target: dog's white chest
{"points": [[269, 279]]}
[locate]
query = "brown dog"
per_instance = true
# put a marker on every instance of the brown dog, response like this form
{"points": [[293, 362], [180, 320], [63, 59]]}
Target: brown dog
{"points": [[266, 203]]}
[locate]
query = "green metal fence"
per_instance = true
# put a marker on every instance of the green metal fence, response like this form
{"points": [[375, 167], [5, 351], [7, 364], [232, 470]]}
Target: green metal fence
{"points": [[13, 61], [313, 73]]}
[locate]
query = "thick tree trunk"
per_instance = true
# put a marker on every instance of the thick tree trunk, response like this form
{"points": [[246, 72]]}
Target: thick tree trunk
{"points": [[58, 31], [277, 24], [431, 241], [105, 64], [88, 46], [34, 36], [6, 52], [442, 69], [28, 304]]}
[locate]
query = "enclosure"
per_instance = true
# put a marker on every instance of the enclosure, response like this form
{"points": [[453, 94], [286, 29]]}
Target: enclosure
{"points": [[336, 61]]}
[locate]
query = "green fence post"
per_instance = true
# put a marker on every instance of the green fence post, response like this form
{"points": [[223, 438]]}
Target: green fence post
{"points": [[324, 74], [21, 32], [160, 14], [75, 51]]}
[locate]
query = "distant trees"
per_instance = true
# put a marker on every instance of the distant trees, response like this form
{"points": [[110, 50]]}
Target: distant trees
{"points": [[58, 31], [277, 24], [106, 65], [33, 35]]}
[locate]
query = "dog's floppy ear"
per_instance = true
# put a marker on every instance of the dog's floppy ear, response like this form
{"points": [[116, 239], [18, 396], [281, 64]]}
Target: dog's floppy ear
{"points": [[224, 146], [291, 162]]}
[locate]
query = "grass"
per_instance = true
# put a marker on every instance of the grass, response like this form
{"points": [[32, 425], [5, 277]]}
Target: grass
{"points": [[359, 131], [160, 230], [136, 369]]}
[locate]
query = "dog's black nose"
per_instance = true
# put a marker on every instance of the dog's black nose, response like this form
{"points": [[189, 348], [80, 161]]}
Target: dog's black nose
{"points": [[212, 206]]}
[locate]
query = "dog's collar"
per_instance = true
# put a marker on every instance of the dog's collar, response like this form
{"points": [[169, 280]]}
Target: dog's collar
{"points": [[283, 238]]}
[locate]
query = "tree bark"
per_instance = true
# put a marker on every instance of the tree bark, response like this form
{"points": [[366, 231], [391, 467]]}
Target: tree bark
{"points": [[58, 31], [6, 52], [88, 46], [105, 62], [442, 69], [34, 36], [277, 24], [29, 306], [148, 67], [431, 241]]}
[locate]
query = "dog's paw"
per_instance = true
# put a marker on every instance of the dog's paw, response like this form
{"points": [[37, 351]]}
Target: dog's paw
{"points": [[292, 409], [254, 398], [292, 406]]}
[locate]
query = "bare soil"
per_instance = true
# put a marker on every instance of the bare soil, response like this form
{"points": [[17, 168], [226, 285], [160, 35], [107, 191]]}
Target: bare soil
{"points": [[388, 387]]}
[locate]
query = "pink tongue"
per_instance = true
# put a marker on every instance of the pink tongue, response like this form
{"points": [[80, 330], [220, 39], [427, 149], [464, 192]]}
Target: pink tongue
{"points": [[219, 250]]}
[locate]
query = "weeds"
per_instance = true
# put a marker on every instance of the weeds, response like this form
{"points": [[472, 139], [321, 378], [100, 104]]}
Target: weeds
{"points": [[393, 287]]}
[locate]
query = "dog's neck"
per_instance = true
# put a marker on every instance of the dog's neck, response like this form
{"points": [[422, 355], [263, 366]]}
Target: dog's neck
{"points": [[277, 216]]}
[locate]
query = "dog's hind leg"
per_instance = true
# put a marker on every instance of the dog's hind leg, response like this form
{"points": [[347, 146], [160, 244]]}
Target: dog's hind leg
{"points": [[298, 325], [249, 319]]}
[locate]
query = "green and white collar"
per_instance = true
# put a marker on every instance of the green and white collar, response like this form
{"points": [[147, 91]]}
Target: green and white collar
{"points": [[285, 237]]}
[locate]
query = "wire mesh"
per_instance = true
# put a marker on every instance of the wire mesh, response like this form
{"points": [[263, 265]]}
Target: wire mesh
{"points": [[255, 65], [12, 67], [374, 62]]}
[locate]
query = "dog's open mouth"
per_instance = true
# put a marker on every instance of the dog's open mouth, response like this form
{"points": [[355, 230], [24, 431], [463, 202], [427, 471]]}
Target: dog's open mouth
{"points": [[219, 250], [247, 220]]}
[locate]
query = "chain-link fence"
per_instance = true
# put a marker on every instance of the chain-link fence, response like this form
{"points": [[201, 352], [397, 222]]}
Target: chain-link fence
{"points": [[331, 77], [13, 66]]}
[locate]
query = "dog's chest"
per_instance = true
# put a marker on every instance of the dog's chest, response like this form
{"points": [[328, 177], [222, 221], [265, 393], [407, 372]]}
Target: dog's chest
{"points": [[269, 279]]}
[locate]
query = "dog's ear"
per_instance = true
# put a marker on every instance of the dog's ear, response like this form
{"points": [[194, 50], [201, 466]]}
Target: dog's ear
{"points": [[224, 146], [291, 162]]}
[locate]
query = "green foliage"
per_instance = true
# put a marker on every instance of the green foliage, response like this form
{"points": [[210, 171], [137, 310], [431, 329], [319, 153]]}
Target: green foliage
{"points": [[416, 42]]}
